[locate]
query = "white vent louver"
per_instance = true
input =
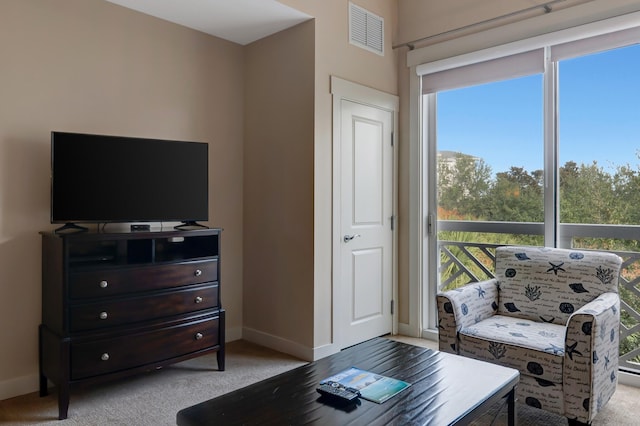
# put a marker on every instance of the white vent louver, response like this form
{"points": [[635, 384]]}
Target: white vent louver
{"points": [[366, 30]]}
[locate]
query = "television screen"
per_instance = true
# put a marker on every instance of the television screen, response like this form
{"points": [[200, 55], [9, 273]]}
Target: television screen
{"points": [[97, 178]]}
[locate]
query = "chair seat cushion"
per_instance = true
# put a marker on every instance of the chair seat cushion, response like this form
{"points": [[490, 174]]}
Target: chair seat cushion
{"points": [[535, 349]]}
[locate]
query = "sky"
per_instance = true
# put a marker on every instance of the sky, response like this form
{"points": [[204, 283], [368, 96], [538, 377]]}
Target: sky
{"points": [[502, 122]]}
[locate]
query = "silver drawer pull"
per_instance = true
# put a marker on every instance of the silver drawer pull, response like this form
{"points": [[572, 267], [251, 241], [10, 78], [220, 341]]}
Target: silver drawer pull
{"points": [[104, 284], [199, 336], [103, 315], [199, 299], [105, 357], [197, 273]]}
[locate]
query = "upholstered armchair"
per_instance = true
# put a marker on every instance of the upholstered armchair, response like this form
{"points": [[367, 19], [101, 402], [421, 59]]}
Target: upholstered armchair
{"points": [[554, 315]]}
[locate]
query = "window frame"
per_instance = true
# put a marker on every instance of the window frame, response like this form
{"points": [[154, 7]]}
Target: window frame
{"points": [[423, 206]]}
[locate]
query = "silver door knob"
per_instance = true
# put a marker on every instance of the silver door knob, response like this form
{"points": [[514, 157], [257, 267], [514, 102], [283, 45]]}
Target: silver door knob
{"points": [[348, 238]]}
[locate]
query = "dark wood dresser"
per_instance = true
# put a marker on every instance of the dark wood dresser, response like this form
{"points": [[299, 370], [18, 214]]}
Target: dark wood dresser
{"points": [[115, 304]]}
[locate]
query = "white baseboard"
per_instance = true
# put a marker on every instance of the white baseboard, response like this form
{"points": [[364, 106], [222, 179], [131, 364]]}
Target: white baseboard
{"points": [[283, 345], [404, 329], [231, 334], [629, 379], [430, 334], [324, 351], [19, 386]]}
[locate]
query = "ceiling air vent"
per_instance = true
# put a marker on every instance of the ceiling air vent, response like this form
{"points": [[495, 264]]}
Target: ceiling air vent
{"points": [[366, 30]]}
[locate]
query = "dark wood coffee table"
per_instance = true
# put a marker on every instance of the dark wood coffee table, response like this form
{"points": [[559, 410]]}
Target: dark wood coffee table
{"points": [[445, 389]]}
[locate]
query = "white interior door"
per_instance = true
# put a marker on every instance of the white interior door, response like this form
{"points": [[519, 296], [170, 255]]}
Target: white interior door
{"points": [[364, 250]]}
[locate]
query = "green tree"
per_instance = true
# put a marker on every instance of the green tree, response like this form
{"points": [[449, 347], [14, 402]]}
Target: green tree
{"points": [[516, 196], [626, 183], [586, 194], [463, 184]]}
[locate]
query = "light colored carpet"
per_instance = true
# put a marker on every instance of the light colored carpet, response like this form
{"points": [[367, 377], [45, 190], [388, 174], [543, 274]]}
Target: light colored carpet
{"points": [[156, 397]]}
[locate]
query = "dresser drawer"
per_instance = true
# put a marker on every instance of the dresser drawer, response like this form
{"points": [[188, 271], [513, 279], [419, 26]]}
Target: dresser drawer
{"points": [[109, 282], [139, 349], [112, 312]]}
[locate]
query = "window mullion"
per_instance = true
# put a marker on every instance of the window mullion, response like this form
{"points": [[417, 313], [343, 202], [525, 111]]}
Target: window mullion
{"points": [[551, 185]]}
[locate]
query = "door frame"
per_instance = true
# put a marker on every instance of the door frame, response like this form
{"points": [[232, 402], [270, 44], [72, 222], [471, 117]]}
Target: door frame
{"points": [[353, 92]]}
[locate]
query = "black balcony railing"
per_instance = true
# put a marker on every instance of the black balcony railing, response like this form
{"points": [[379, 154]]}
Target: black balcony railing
{"points": [[463, 261]]}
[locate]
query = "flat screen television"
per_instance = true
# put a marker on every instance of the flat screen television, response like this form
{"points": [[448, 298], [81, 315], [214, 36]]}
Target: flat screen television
{"points": [[99, 178]]}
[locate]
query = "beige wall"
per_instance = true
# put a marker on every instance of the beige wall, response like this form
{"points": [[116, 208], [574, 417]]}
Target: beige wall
{"points": [[278, 188], [334, 55], [295, 168], [91, 66]]}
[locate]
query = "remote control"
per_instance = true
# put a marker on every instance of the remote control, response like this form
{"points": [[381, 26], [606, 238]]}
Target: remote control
{"points": [[336, 390]]}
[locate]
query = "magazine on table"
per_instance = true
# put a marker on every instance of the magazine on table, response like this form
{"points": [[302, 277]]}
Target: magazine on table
{"points": [[372, 387]]}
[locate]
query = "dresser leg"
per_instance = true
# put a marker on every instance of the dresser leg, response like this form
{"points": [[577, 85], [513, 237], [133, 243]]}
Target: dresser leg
{"points": [[43, 378], [220, 357], [63, 400], [222, 337], [43, 385]]}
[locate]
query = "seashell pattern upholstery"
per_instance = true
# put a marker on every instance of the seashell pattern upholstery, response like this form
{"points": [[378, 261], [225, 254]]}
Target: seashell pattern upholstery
{"points": [[554, 315]]}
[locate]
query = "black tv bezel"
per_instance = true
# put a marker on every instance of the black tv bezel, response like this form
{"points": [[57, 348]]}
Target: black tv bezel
{"points": [[70, 222]]}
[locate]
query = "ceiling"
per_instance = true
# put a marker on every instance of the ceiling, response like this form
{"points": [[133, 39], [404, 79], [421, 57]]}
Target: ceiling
{"points": [[239, 21]]}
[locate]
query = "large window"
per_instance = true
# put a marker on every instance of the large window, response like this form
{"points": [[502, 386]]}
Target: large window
{"points": [[489, 167], [599, 137], [490, 151], [547, 156]]}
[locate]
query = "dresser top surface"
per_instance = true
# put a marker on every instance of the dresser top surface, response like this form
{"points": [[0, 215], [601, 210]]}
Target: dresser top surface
{"points": [[125, 234]]}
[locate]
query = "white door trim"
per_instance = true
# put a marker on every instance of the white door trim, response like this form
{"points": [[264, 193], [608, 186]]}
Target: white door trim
{"points": [[346, 90]]}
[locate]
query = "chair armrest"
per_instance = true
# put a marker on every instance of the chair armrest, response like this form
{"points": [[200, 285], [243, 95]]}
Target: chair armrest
{"points": [[591, 356], [464, 307]]}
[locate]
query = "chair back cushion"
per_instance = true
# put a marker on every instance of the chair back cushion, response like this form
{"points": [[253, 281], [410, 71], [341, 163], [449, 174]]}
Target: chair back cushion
{"points": [[549, 284]]}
